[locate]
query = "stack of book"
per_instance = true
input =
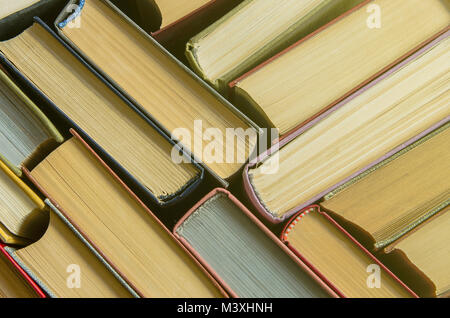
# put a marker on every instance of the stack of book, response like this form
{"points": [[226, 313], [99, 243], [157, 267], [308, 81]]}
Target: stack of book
{"points": [[138, 156]]}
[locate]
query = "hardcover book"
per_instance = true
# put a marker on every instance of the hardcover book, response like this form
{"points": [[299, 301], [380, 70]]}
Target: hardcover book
{"points": [[319, 241], [100, 112], [255, 31], [327, 66], [395, 110], [177, 99], [399, 193], [242, 254], [118, 225], [60, 252], [25, 132], [22, 212], [174, 36], [426, 253]]}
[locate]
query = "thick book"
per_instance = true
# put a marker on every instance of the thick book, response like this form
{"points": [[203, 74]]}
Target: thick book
{"points": [[255, 31], [396, 109], [424, 254], [100, 113], [168, 92], [14, 281], [25, 132], [242, 254], [319, 241], [330, 64], [63, 265], [127, 235], [399, 193], [399, 206], [22, 212]]}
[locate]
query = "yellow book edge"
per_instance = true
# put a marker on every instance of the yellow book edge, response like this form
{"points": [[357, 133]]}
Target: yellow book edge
{"points": [[6, 236], [47, 124]]}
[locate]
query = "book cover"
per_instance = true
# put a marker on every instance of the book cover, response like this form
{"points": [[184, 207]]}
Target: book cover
{"points": [[155, 52]]}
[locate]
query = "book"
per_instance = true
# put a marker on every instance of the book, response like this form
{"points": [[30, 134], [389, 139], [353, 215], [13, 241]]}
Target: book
{"points": [[25, 132], [322, 69], [123, 133], [174, 37], [399, 193], [244, 256], [177, 99], [8, 7], [426, 251], [255, 31], [335, 255], [22, 212], [12, 284], [59, 253], [399, 106], [108, 215]]}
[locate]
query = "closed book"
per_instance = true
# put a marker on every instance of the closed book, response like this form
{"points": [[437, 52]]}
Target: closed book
{"points": [[423, 255], [63, 264], [319, 241], [179, 102], [255, 31], [175, 36], [63, 81], [22, 212], [242, 254], [398, 108], [399, 207], [322, 69], [26, 134], [119, 227]]}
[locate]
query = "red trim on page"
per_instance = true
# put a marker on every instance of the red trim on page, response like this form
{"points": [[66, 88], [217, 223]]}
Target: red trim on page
{"points": [[262, 227], [135, 197], [317, 208], [233, 83]]}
